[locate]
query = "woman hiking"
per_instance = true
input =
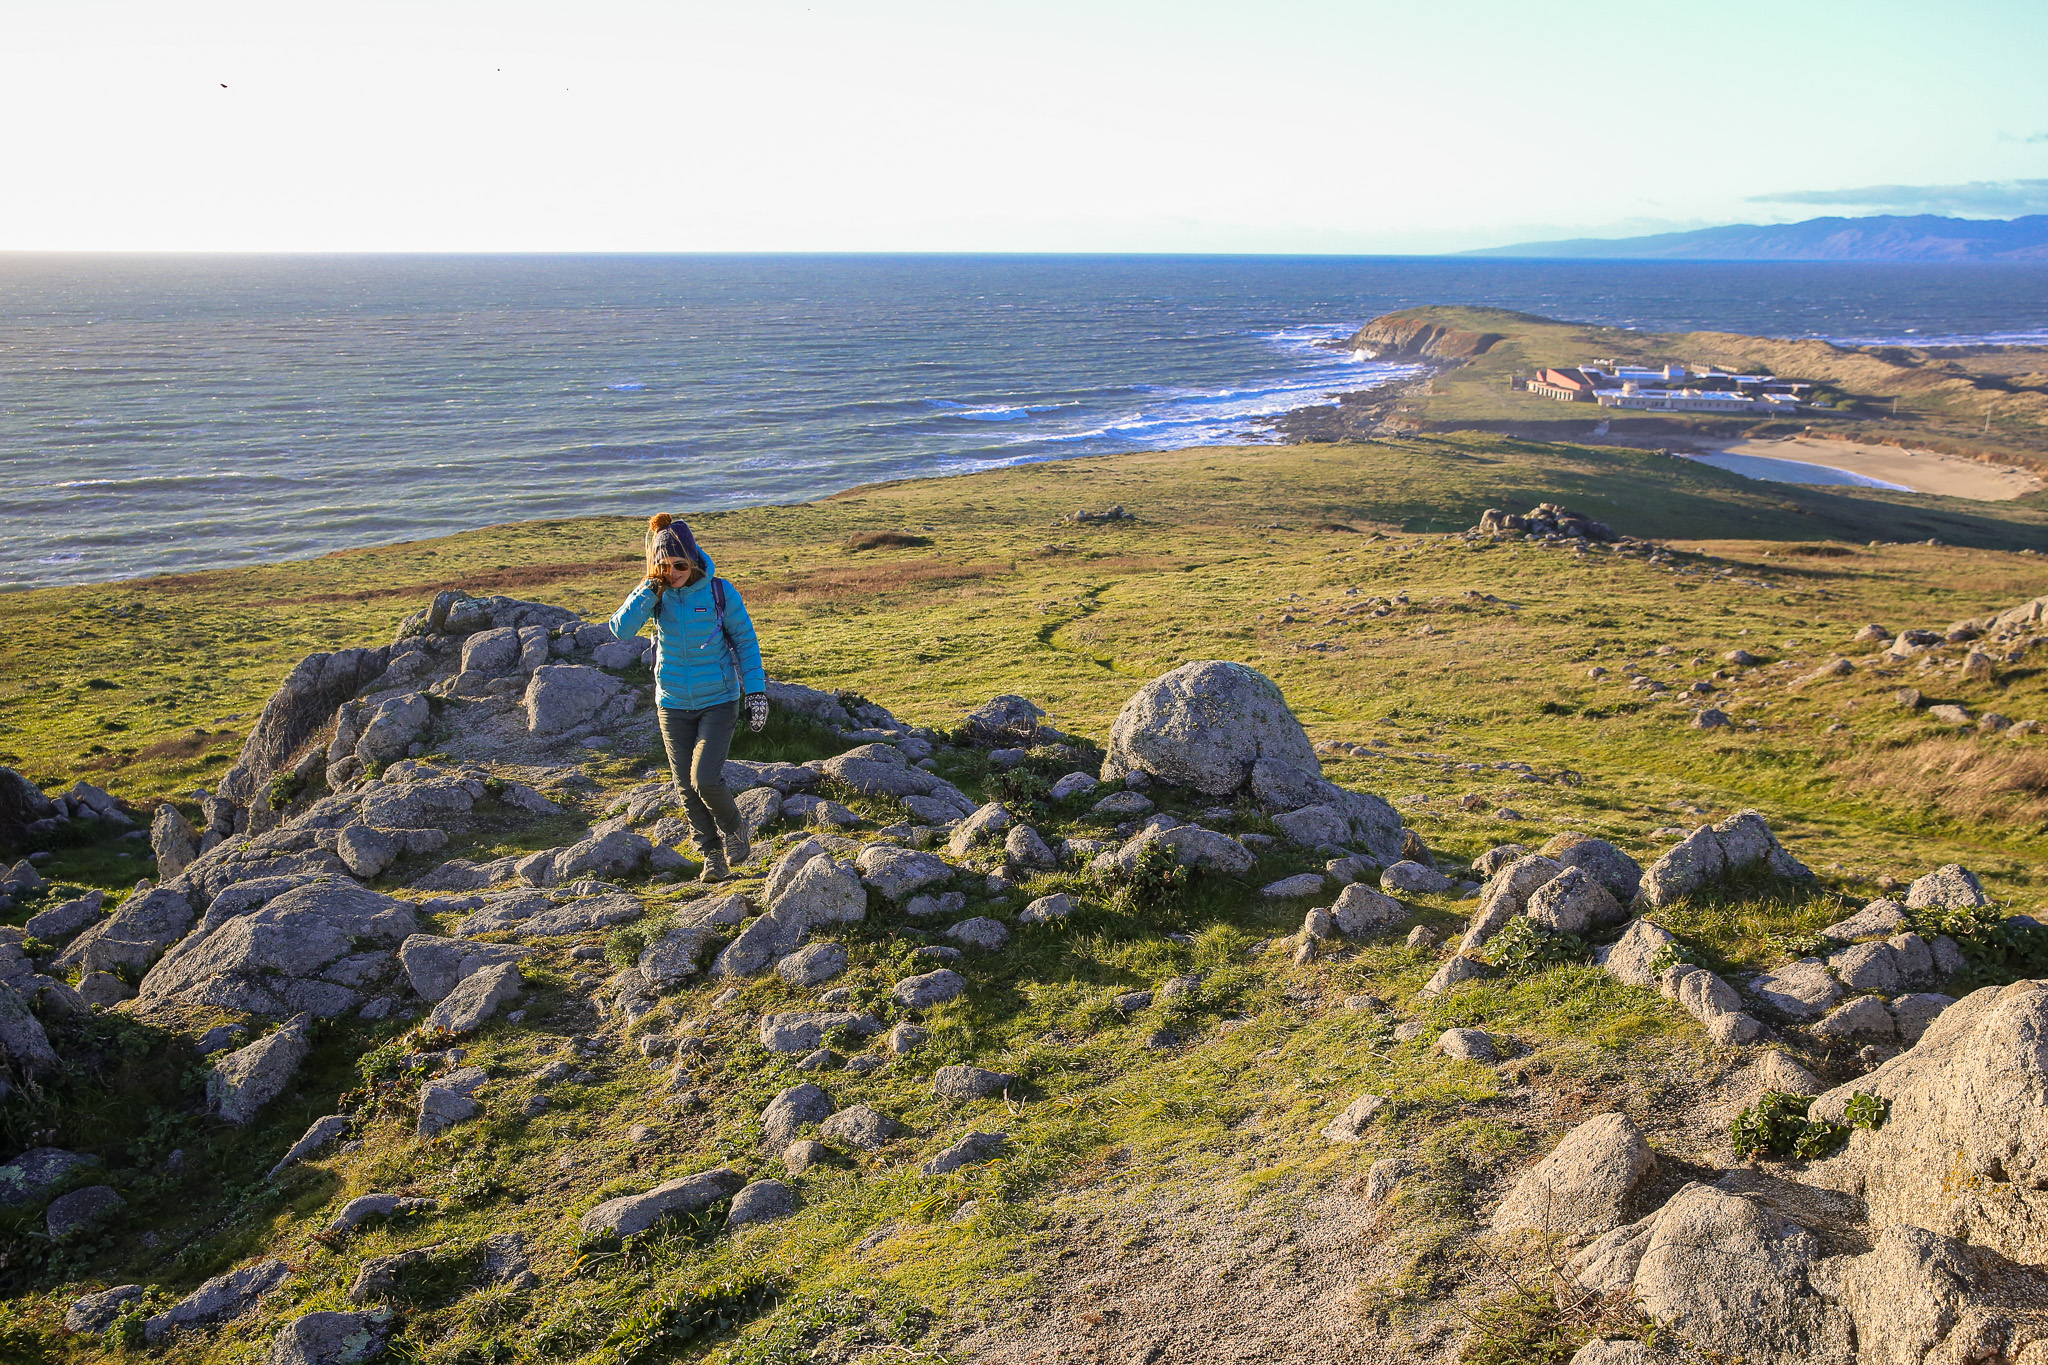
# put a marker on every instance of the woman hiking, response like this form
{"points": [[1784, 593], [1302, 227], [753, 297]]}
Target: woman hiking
{"points": [[707, 666]]}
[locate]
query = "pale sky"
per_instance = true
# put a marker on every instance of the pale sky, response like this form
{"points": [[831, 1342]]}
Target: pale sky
{"points": [[894, 125]]}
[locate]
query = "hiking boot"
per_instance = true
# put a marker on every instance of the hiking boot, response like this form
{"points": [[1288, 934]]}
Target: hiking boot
{"points": [[715, 869], [738, 848]]}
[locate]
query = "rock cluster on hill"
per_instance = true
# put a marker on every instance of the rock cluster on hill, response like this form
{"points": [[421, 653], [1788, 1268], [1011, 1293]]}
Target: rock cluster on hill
{"points": [[335, 871]]}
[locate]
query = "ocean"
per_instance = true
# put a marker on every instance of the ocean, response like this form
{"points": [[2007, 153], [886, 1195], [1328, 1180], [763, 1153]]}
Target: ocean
{"points": [[182, 413]]}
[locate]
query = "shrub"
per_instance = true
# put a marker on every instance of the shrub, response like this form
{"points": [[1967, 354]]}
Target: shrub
{"points": [[1777, 1125], [284, 789], [1998, 952], [1525, 948], [1154, 881]]}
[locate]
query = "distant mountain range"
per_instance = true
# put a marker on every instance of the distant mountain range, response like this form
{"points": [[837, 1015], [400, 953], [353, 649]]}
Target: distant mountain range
{"points": [[1923, 237]]}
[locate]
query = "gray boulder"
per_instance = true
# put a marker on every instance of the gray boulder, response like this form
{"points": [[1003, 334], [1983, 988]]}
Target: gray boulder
{"points": [[1313, 826], [1467, 1044], [1413, 878], [1025, 848], [932, 988], [322, 1132], [22, 1039], [241, 1082], [635, 1213], [221, 1299], [141, 927], [1869, 967], [434, 965], [1350, 1125], [1506, 895], [803, 1031], [970, 1083], [329, 1338], [763, 1201], [861, 1126], [1190, 846], [173, 840], [1879, 919], [981, 932], [1003, 721], [899, 873], [983, 825], [969, 1150], [760, 807], [1732, 1276], [812, 965], [95, 1313], [1713, 852], [309, 950], [301, 706], [38, 1170], [822, 892], [1620, 874], [1864, 1016], [1949, 887], [366, 1208], [1204, 725], [1964, 1151], [1455, 972], [59, 922], [1361, 912], [450, 1100], [790, 1111], [82, 1211], [476, 998], [1574, 902], [1584, 1186], [1919, 1298], [561, 697], [1630, 958], [1047, 909], [1913, 1013], [1497, 857], [1800, 990]]}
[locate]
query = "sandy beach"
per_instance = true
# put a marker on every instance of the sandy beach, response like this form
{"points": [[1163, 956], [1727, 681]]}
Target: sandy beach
{"points": [[1919, 471]]}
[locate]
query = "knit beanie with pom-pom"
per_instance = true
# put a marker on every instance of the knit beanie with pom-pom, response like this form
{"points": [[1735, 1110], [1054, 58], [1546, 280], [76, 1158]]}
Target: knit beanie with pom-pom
{"points": [[668, 538]]}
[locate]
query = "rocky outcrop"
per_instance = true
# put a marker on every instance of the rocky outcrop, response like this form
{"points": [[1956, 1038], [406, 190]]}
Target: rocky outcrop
{"points": [[1584, 1186], [320, 948], [1742, 844], [242, 1082], [1401, 336]]}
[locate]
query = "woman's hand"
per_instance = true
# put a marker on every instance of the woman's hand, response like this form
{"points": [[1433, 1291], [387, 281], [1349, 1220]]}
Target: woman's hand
{"points": [[757, 710]]}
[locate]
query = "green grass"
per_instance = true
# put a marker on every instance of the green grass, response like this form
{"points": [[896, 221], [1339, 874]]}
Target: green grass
{"points": [[1221, 1093]]}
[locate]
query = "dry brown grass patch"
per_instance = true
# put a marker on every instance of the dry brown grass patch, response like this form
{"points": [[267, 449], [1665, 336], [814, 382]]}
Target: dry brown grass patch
{"points": [[872, 580], [480, 584], [1970, 779]]}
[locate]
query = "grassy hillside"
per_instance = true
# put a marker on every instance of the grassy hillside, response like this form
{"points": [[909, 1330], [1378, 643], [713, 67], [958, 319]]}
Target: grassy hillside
{"points": [[1166, 1195], [1979, 402]]}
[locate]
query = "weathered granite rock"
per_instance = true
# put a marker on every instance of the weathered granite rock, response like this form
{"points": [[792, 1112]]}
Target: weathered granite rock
{"points": [[973, 1148], [635, 1213], [1047, 909], [23, 1040], [322, 1132], [450, 1100], [1350, 1125], [1204, 725], [932, 988], [802, 1031], [61, 921], [29, 1176], [983, 825], [981, 932], [1629, 958], [970, 1083], [763, 1201], [1413, 878], [1615, 870], [330, 1338], [1456, 971], [1574, 902], [790, 1111], [1949, 887], [1361, 912], [561, 697], [434, 965], [812, 965], [861, 1126], [1505, 896], [82, 1211], [221, 1299], [476, 998], [95, 1313], [899, 873], [311, 949], [241, 1082], [1584, 1186], [1713, 852], [1801, 990]]}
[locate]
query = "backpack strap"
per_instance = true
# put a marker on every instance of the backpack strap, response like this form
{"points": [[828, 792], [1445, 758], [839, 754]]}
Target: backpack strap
{"points": [[732, 650]]}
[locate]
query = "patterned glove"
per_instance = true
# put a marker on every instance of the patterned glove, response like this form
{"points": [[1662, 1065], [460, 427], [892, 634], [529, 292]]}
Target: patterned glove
{"points": [[757, 710]]}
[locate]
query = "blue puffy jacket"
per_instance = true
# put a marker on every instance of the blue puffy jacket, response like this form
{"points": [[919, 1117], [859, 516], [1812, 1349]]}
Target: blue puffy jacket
{"points": [[693, 667]]}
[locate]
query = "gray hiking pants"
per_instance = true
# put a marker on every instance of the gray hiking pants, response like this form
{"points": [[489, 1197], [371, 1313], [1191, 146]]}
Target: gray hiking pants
{"points": [[697, 743]]}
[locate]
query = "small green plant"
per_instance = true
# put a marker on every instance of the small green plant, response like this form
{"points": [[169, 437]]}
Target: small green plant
{"points": [[1525, 948], [284, 789], [663, 1325], [1794, 945], [1154, 880], [1771, 1126], [1777, 1125], [1865, 1110], [623, 946], [1998, 951], [1673, 954], [124, 1333]]}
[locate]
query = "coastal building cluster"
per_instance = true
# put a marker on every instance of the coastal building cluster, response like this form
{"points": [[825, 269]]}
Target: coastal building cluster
{"points": [[1669, 388]]}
